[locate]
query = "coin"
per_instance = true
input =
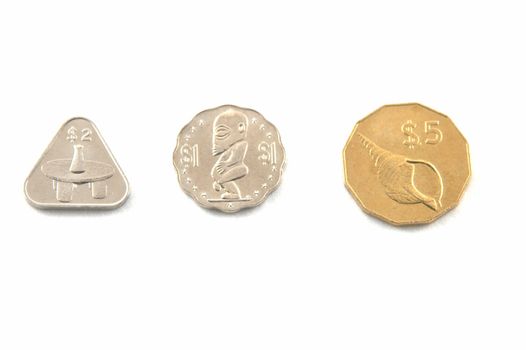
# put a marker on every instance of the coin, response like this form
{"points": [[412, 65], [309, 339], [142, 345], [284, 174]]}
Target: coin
{"points": [[229, 158], [406, 164], [77, 170]]}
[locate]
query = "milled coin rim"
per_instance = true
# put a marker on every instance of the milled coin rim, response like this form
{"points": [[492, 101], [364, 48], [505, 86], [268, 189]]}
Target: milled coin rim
{"points": [[248, 205], [410, 222]]}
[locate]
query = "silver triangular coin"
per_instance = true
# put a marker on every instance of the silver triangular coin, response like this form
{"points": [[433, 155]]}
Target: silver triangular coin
{"points": [[77, 170]]}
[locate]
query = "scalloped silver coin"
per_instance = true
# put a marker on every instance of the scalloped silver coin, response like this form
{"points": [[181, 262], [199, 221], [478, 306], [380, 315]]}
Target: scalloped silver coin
{"points": [[229, 158]]}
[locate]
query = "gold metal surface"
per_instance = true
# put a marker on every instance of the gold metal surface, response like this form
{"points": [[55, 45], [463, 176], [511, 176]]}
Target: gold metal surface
{"points": [[406, 164]]}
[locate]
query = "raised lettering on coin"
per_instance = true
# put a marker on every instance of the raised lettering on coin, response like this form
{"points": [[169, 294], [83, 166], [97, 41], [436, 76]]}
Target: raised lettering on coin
{"points": [[77, 170], [229, 158], [406, 164]]}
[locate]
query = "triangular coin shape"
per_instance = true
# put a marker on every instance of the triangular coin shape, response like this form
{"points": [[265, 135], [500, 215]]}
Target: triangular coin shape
{"points": [[77, 170]]}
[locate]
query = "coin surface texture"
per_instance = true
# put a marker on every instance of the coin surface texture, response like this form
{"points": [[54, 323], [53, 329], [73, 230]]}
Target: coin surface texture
{"points": [[77, 170], [229, 158], [406, 164]]}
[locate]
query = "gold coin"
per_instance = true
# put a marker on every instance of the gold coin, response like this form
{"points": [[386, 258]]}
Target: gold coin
{"points": [[406, 164]]}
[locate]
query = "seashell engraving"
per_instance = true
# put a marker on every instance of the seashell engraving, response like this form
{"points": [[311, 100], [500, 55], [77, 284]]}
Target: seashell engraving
{"points": [[399, 176]]}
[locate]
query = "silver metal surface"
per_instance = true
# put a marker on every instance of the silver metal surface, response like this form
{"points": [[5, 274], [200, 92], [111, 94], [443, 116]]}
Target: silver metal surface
{"points": [[77, 170], [229, 158]]}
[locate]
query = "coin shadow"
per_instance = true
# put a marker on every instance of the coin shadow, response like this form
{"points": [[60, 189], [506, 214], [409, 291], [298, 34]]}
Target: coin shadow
{"points": [[78, 212], [415, 228]]}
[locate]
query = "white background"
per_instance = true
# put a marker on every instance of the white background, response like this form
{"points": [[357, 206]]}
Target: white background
{"points": [[306, 270]]}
